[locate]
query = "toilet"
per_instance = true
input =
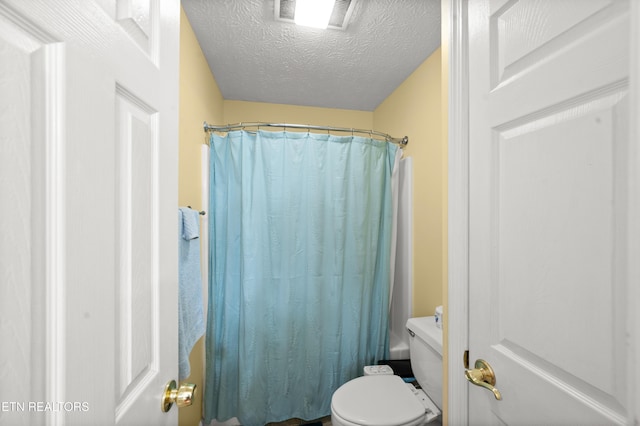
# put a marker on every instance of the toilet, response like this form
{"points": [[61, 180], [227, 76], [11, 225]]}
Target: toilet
{"points": [[383, 399]]}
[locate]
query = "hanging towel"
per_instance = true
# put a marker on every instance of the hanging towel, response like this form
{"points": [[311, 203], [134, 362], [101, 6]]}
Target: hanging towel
{"points": [[190, 224], [191, 324]]}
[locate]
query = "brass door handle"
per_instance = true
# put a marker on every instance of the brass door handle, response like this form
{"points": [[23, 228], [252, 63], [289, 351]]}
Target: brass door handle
{"points": [[482, 375], [183, 396]]}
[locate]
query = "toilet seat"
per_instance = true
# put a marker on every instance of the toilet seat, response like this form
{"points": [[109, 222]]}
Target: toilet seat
{"points": [[377, 401]]}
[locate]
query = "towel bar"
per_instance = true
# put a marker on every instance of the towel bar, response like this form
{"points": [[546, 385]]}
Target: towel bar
{"points": [[202, 212]]}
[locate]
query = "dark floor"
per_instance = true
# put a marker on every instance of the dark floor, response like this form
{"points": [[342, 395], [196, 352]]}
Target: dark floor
{"points": [[325, 421]]}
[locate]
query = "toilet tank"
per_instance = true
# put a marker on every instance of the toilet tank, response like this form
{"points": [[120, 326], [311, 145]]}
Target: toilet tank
{"points": [[425, 353]]}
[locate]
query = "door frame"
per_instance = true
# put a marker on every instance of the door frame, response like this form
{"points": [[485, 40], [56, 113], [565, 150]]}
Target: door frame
{"points": [[455, 41], [454, 38], [633, 268]]}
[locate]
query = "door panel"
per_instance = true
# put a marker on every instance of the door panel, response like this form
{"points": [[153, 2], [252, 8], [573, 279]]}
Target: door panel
{"points": [[525, 33], [556, 193], [140, 19], [137, 313], [549, 120]]}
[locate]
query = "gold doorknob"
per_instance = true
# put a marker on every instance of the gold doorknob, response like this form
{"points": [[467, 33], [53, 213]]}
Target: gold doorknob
{"points": [[482, 375], [183, 396]]}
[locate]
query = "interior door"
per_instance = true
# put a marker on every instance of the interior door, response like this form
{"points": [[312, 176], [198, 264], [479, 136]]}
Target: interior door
{"points": [[550, 179], [88, 189]]}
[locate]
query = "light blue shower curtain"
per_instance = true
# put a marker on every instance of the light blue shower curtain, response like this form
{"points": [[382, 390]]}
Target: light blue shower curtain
{"points": [[300, 236]]}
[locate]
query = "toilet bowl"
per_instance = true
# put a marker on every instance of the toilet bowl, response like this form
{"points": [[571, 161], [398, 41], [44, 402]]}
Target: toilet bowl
{"points": [[386, 400]]}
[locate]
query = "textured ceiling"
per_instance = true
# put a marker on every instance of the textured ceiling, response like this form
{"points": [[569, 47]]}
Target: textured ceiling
{"points": [[255, 57]]}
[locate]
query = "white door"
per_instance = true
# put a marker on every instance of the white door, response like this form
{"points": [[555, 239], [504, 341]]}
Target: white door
{"points": [[88, 217], [550, 181]]}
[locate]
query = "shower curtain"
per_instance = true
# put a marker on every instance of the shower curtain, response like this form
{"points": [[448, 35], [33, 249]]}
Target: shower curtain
{"points": [[300, 240]]}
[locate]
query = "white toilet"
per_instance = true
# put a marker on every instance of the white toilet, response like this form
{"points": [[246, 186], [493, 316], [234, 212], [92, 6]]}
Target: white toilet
{"points": [[386, 400]]}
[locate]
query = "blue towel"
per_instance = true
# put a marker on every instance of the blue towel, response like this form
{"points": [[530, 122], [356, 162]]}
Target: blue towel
{"points": [[190, 312], [190, 224]]}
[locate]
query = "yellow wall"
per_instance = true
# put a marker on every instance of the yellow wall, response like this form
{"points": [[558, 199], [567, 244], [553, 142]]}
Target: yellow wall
{"points": [[414, 109], [418, 109], [200, 100], [241, 111]]}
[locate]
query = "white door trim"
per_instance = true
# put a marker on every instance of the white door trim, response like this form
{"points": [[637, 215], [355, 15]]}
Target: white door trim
{"points": [[634, 208], [458, 229], [55, 291]]}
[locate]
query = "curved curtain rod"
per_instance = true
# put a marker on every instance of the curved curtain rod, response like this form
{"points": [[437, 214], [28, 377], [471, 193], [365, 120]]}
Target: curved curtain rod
{"points": [[238, 126]]}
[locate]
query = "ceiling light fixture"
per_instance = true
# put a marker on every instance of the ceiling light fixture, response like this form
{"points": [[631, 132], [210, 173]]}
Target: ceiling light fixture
{"points": [[285, 10], [313, 13]]}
